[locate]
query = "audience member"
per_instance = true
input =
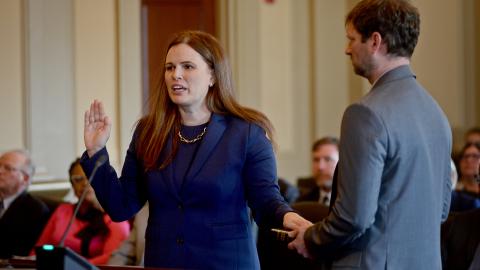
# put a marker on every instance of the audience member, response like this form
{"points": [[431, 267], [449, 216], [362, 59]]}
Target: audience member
{"points": [[468, 166], [461, 240], [92, 234], [318, 187], [22, 216], [466, 195], [131, 251]]}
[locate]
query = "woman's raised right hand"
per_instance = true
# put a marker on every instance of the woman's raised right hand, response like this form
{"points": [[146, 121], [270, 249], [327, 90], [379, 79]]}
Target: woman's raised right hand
{"points": [[97, 127]]}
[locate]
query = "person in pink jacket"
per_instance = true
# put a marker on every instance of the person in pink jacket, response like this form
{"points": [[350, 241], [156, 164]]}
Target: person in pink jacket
{"points": [[92, 234]]}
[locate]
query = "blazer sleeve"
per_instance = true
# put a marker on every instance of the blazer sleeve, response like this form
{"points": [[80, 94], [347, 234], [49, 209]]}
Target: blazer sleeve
{"points": [[260, 178], [121, 197], [447, 193], [362, 151]]}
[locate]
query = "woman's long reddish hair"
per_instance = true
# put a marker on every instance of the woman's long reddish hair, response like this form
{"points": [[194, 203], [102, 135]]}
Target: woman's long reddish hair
{"points": [[163, 117]]}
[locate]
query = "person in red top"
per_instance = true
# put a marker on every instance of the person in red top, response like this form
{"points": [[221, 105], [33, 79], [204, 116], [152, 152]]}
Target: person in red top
{"points": [[92, 234]]}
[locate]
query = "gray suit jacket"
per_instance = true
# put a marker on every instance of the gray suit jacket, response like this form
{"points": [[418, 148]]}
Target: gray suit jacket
{"points": [[393, 181]]}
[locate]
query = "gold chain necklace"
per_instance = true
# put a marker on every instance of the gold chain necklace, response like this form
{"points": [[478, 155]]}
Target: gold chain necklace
{"points": [[199, 136]]}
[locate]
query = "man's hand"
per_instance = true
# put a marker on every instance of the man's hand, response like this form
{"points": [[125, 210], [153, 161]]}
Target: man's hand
{"points": [[298, 243], [298, 225]]}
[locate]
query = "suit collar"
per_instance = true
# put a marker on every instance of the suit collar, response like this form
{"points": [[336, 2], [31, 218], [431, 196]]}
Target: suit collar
{"points": [[12, 202], [397, 73], [9, 200], [215, 130], [167, 172]]}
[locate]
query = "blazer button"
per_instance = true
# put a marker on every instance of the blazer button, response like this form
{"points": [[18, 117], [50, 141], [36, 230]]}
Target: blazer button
{"points": [[180, 241]]}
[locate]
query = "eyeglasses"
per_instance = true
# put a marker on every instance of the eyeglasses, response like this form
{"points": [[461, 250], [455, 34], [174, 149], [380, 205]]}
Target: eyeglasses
{"points": [[10, 169], [472, 156]]}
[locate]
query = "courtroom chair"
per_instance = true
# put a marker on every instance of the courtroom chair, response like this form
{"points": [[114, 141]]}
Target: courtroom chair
{"points": [[310, 210]]}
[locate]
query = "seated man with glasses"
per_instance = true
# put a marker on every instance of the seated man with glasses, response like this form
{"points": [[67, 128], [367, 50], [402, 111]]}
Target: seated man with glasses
{"points": [[22, 217]]}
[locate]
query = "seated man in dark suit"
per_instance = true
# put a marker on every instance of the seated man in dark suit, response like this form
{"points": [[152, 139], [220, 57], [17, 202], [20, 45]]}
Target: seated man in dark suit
{"points": [[460, 240], [318, 187], [22, 217]]}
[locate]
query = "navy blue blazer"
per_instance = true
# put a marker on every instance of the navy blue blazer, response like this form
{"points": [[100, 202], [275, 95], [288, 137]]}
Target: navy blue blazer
{"points": [[205, 224]]}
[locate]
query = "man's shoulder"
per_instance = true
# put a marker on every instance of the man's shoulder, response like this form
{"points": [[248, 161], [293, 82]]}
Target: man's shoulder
{"points": [[30, 203], [306, 187], [307, 181]]}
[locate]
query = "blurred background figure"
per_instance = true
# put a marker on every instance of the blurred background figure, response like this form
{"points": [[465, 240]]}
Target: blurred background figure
{"points": [[289, 192], [131, 251], [468, 164], [93, 234], [461, 200], [461, 240], [318, 187], [22, 216]]}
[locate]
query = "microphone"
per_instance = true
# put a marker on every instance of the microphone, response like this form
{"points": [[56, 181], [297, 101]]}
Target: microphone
{"points": [[100, 161], [63, 258]]}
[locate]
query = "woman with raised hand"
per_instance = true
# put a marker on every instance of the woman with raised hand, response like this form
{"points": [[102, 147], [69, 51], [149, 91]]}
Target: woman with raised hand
{"points": [[199, 158]]}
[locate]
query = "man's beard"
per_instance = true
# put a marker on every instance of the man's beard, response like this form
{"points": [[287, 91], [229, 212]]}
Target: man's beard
{"points": [[363, 69]]}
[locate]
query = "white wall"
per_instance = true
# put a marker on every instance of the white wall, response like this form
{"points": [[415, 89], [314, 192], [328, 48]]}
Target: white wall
{"points": [[96, 59], [49, 87], [57, 56], [439, 59], [12, 104]]}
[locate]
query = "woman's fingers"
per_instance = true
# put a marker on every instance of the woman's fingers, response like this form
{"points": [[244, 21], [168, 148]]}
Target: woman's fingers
{"points": [[96, 113], [91, 115], [86, 118], [101, 111]]}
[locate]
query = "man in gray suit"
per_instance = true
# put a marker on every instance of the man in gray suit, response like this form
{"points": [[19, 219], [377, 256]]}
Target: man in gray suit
{"points": [[393, 186]]}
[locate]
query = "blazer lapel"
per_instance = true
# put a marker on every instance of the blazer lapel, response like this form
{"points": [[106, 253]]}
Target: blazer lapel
{"points": [[167, 172], [215, 130]]}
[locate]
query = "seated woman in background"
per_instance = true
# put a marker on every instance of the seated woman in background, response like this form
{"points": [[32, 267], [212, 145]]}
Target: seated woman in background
{"points": [[92, 234], [467, 193]]}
